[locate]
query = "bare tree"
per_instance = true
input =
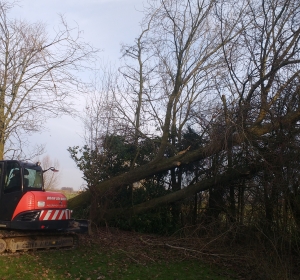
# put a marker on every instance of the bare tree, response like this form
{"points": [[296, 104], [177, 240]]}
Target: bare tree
{"points": [[37, 76], [51, 179]]}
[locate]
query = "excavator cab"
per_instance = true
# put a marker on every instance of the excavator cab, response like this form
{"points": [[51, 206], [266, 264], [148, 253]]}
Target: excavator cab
{"points": [[16, 179]]}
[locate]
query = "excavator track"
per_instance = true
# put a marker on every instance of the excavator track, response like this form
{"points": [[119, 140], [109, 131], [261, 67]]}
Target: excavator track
{"points": [[15, 241]]}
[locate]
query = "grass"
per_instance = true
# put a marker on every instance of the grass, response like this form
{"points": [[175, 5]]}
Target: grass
{"points": [[108, 256], [90, 263]]}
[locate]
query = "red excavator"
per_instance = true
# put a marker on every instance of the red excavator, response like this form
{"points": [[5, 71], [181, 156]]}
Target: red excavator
{"points": [[30, 217]]}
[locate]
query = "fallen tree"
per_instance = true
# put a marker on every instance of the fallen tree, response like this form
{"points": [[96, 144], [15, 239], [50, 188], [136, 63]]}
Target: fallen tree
{"points": [[249, 68], [182, 158]]}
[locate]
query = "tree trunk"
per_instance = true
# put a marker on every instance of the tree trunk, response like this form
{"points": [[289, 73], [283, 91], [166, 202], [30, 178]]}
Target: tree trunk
{"points": [[181, 194]]}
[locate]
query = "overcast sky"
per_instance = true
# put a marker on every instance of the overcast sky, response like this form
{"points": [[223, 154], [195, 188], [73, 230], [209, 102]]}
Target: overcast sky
{"points": [[105, 25]]}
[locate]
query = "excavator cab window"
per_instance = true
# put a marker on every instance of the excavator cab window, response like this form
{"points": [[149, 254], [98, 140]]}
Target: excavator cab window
{"points": [[33, 178], [13, 180]]}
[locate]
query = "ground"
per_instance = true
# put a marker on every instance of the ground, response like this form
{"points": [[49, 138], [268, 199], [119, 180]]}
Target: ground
{"points": [[147, 248]]}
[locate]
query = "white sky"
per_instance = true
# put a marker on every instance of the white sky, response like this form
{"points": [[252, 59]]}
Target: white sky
{"points": [[106, 24]]}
